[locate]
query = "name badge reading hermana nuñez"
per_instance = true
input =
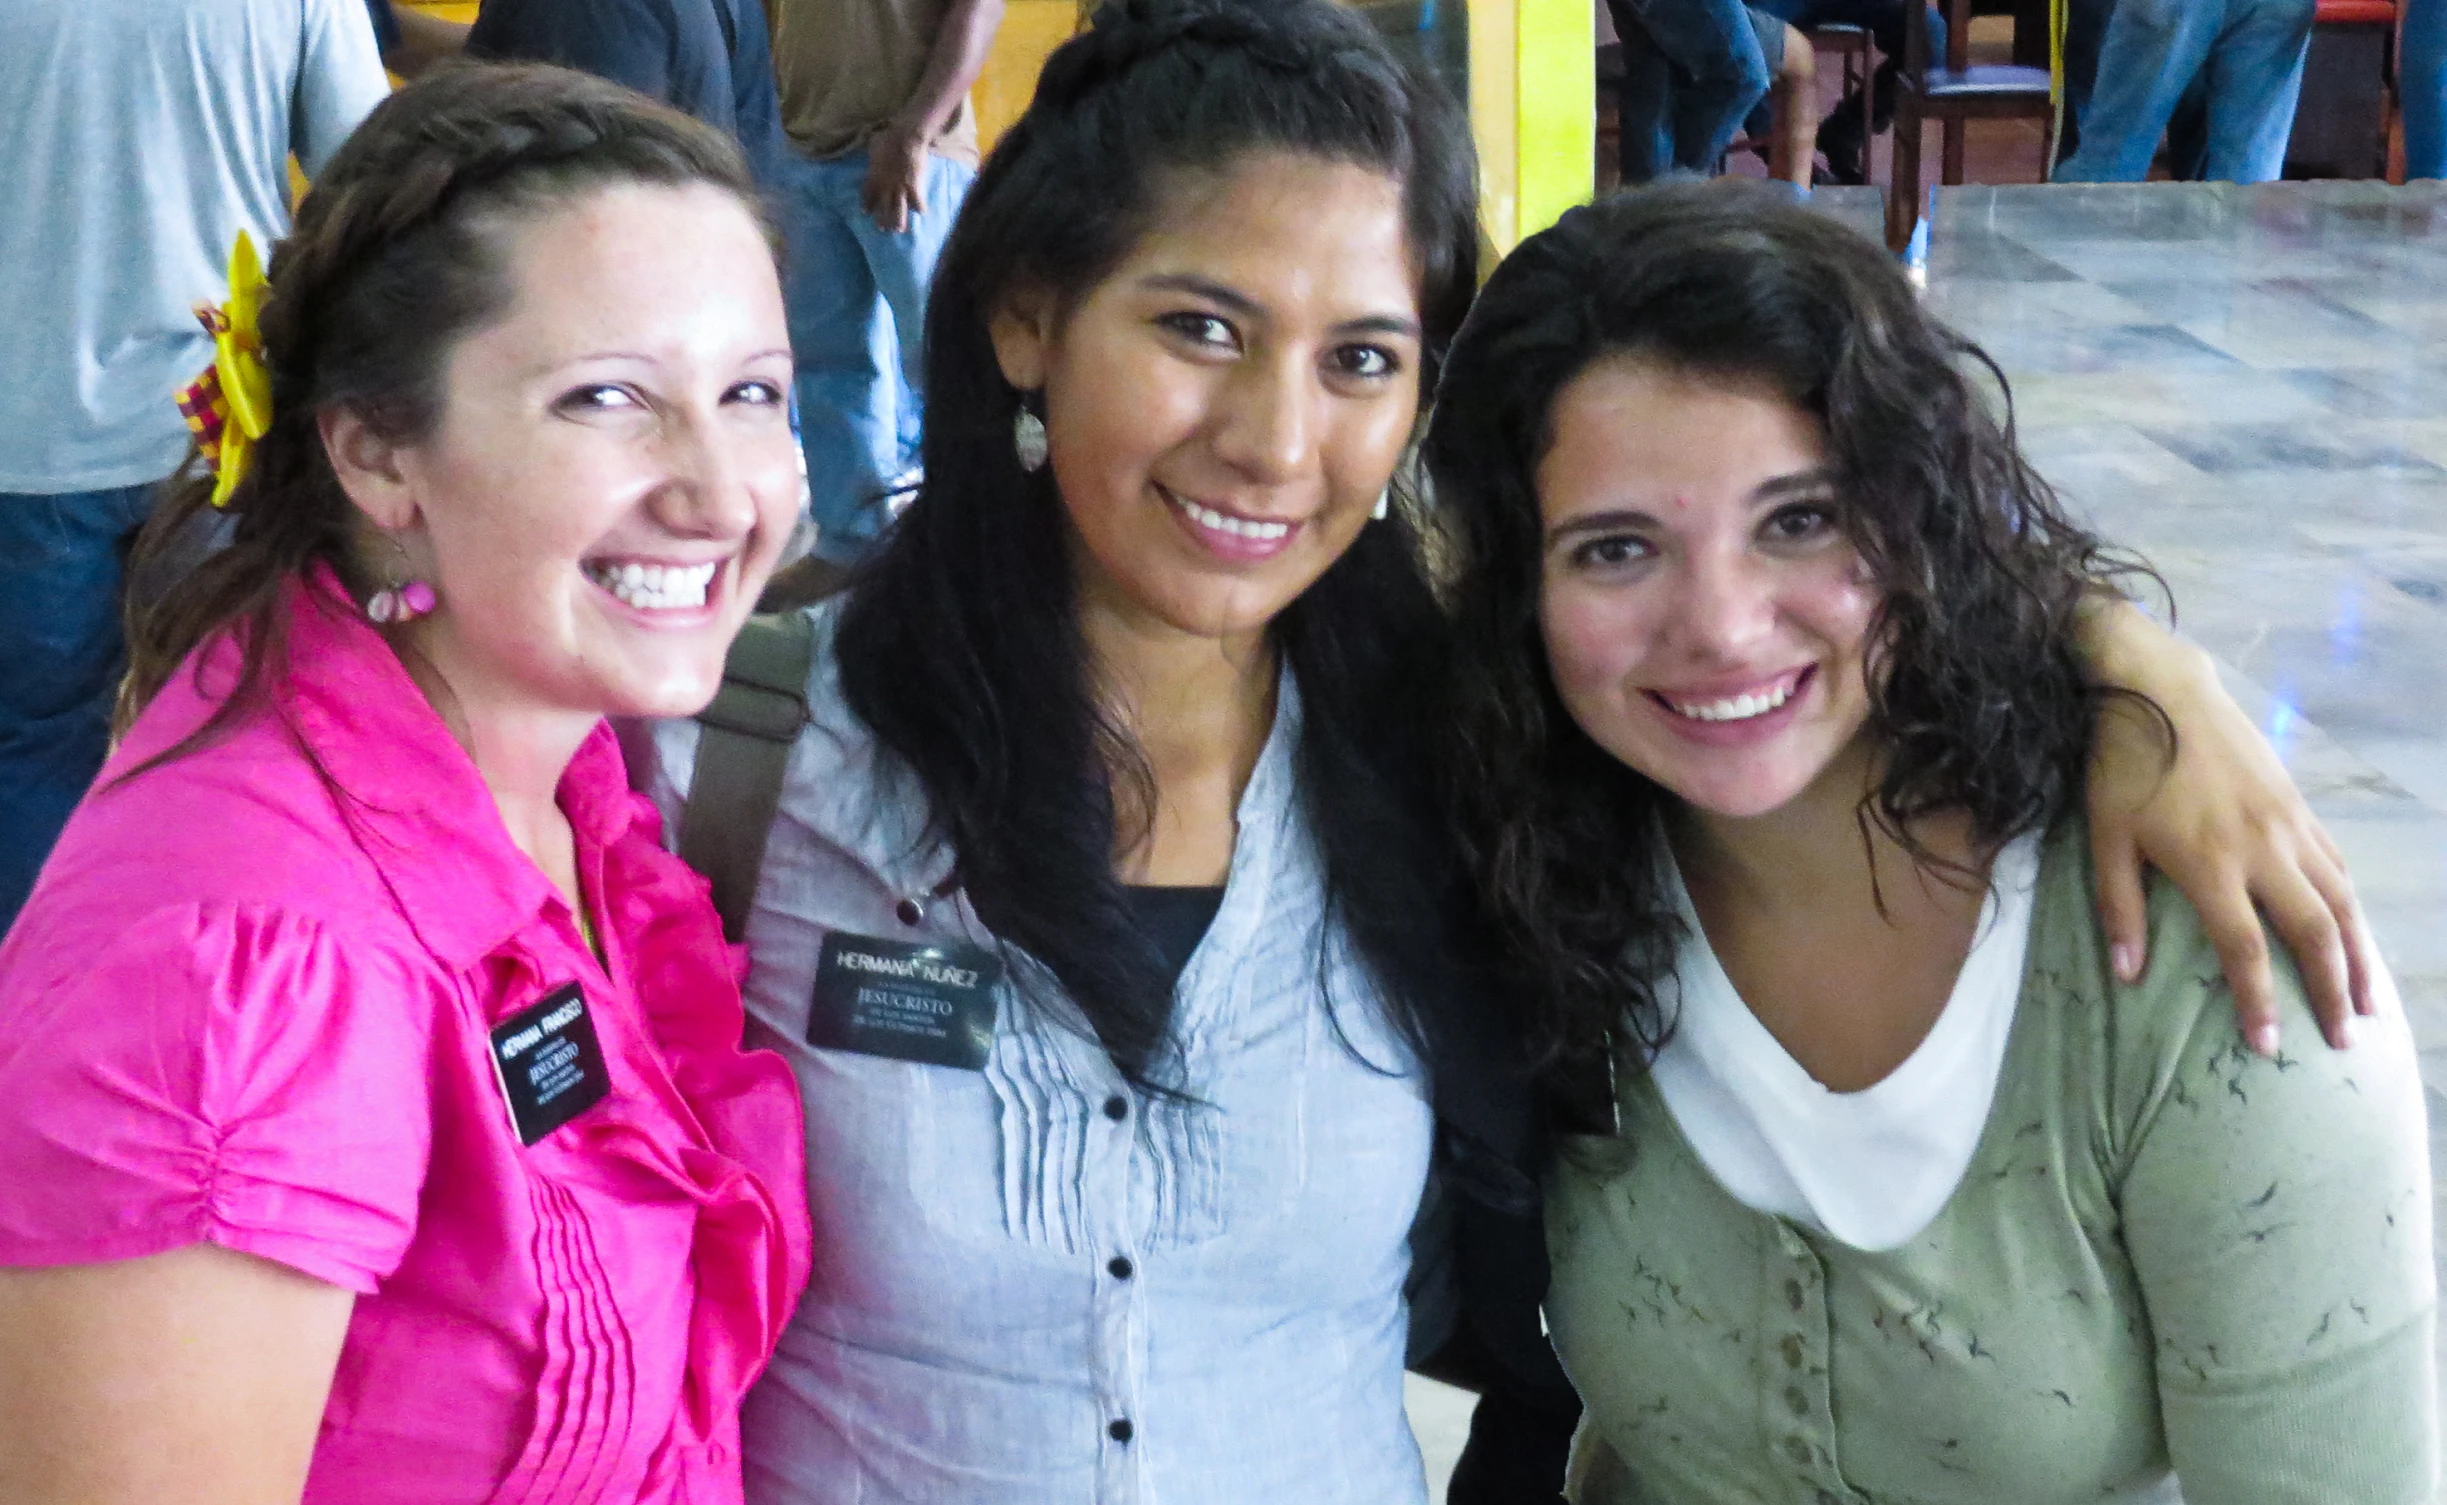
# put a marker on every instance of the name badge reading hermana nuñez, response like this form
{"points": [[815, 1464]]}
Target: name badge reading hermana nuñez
{"points": [[933, 1004], [549, 1064]]}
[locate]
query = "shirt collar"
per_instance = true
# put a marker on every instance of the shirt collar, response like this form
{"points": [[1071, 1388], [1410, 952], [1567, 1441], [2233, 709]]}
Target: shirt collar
{"points": [[861, 797], [411, 794]]}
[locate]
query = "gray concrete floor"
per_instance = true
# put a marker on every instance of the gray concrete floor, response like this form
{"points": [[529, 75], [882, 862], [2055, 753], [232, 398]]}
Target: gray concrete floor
{"points": [[2248, 386]]}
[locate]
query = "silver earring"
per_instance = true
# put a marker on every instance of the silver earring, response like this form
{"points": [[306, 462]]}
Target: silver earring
{"points": [[1028, 438], [1384, 505]]}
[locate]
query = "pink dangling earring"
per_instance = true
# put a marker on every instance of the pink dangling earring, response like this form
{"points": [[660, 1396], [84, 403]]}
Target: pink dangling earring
{"points": [[404, 600]]}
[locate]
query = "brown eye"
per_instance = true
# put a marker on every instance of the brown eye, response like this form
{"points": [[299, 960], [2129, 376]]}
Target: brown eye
{"points": [[1801, 522], [1201, 329], [1611, 552], [1367, 362], [597, 397]]}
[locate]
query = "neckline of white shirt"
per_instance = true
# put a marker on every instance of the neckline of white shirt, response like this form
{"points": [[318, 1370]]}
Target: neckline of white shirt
{"points": [[1873, 1168]]}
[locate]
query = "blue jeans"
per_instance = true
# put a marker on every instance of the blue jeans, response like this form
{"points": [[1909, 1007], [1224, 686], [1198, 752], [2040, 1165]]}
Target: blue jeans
{"points": [[63, 568], [2248, 54], [1692, 72], [857, 302], [2425, 89]]}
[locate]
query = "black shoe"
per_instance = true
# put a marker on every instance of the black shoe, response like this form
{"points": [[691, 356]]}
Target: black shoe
{"points": [[1841, 143]]}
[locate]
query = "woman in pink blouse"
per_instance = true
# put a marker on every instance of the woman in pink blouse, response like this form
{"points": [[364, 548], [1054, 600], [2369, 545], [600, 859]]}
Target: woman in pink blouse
{"points": [[373, 1125]]}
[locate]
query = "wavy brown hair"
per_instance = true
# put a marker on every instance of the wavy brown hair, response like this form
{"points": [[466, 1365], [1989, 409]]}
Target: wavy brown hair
{"points": [[400, 251], [1976, 696]]}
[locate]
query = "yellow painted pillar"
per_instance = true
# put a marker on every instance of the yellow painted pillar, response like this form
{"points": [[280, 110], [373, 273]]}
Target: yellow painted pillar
{"points": [[1031, 30], [1533, 108]]}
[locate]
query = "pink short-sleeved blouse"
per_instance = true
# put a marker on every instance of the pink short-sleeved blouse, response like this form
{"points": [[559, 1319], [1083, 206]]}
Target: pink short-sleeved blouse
{"points": [[251, 1003]]}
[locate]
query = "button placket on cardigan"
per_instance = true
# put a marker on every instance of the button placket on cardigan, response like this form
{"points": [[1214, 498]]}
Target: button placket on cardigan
{"points": [[1797, 1403]]}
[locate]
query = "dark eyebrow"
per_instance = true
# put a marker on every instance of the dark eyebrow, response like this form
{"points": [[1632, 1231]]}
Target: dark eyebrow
{"points": [[780, 351], [1599, 522], [1247, 307], [1800, 481]]}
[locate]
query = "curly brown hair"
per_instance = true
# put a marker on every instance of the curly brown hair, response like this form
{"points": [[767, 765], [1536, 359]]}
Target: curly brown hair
{"points": [[400, 251], [1976, 695]]}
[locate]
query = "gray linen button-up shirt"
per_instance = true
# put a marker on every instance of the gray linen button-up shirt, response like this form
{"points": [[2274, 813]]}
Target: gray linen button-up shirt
{"points": [[1035, 1287]]}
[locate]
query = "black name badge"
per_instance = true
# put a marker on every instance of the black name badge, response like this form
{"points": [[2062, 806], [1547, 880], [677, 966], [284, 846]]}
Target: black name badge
{"points": [[550, 1064], [927, 1003]]}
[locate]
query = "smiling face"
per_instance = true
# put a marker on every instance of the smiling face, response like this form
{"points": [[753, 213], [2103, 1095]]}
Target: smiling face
{"points": [[613, 475], [1706, 619], [1224, 409]]}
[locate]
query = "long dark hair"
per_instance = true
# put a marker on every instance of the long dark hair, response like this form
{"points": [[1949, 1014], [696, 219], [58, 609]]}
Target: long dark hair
{"points": [[400, 251], [1976, 696], [960, 644]]}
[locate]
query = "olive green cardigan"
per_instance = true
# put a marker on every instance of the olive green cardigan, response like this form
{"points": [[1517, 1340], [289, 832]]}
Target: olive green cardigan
{"points": [[2168, 1254]]}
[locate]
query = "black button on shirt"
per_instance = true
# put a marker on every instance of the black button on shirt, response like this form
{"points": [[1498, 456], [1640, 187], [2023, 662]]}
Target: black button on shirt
{"points": [[1117, 1108], [1120, 1430], [1121, 1267]]}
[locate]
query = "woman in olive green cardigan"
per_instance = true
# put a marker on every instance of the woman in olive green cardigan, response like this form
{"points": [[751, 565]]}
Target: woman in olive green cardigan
{"points": [[1899, 1189]]}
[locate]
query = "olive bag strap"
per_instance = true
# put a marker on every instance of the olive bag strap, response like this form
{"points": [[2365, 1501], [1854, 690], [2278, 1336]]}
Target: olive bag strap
{"points": [[743, 749]]}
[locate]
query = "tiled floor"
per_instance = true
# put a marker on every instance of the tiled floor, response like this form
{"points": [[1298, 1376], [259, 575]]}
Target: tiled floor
{"points": [[2246, 386], [2249, 387]]}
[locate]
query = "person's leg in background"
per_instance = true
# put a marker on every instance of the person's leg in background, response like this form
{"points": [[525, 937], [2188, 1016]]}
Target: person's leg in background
{"points": [[1793, 64], [1717, 73], [903, 266], [63, 568], [842, 339], [2422, 72], [2085, 30], [1642, 103], [2187, 148], [2255, 81], [2152, 52], [1839, 135]]}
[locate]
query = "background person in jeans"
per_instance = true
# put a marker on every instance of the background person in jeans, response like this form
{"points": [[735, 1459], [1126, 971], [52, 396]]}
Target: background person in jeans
{"points": [[875, 98], [143, 138], [2250, 55], [1693, 70]]}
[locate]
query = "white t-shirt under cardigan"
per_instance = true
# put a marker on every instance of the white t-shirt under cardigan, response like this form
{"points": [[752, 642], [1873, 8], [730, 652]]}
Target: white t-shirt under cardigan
{"points": [[1871, 1167]]}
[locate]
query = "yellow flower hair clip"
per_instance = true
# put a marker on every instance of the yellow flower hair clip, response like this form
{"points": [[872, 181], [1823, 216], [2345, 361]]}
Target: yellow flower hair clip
{"points": [[230, 405]]}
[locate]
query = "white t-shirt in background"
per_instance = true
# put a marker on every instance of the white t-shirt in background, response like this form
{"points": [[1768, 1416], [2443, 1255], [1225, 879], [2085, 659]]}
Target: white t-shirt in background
{"points": [[140, 136]]}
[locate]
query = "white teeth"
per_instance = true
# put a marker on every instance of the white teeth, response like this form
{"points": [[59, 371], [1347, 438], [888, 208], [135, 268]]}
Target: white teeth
{"points": [[656, 587], [1238, 527], [1739, 708]]}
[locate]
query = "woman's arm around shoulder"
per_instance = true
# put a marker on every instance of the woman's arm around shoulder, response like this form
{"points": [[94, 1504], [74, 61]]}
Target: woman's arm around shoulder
{"points": [[2218, 815], [199, 1375], [2277, 1210]]}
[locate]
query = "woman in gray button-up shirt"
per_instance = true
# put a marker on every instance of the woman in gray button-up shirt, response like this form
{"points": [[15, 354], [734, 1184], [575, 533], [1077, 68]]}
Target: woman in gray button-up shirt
{"points": [[1110, 1206], [1088, 1231]]}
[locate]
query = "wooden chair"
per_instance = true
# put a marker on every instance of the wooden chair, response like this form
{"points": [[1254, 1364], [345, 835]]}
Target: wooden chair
{"points": [[1860, 61], [1951, 92]]}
